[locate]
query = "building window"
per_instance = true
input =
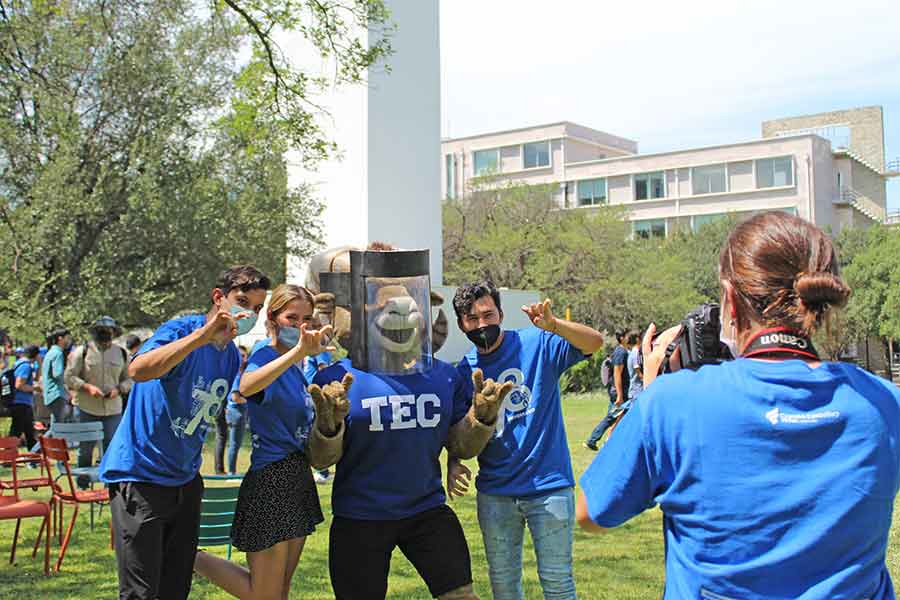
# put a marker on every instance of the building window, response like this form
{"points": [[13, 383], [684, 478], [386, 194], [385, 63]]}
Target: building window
{"points": [[774, 172], [698, 221], [536, 154], [486, 161], [450, 161], [591, 192], [709, 180], [650, 228], [648, 186]]}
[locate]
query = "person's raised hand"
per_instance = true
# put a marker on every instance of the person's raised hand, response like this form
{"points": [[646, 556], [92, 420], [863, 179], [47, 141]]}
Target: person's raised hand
{"points": [[221, 322], [332, 404], [488, 397], [314, 341], [541, 315], [655, 352]]}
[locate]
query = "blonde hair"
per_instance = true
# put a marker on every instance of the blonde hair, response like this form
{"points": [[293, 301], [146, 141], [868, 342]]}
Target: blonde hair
{"points": [[283, 295]]}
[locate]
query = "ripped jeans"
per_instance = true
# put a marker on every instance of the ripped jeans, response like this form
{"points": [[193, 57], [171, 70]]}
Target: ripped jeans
{"points": [[550, 519]]}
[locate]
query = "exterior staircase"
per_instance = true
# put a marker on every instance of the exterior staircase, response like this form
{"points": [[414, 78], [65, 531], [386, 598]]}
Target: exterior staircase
{"points": [[863, 204]]}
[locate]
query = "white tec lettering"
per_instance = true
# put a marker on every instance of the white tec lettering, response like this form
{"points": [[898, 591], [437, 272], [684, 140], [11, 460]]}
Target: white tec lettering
{"points": [[407, 411]]}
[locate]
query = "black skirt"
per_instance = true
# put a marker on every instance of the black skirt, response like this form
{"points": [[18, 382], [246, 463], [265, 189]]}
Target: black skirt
{"points": [[276, 503]]}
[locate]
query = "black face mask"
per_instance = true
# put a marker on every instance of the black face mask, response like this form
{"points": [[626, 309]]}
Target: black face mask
{"points": [[103, 336], [484, 337]]}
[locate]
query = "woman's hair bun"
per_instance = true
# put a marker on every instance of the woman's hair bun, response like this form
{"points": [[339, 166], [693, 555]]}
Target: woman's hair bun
{"points": [[821, 289]]}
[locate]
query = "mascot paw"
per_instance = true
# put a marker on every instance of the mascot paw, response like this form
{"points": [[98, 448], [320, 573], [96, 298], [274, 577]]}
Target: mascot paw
{"points": [[489, 396], [331, 403]]}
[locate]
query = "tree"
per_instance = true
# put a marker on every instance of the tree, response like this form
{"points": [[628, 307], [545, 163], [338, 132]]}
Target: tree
{"points": [[516, 236], [138, 156], [874, 277]]}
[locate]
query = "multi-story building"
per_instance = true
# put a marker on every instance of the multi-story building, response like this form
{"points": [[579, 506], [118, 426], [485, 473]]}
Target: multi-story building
{"points": [[828, 168]]}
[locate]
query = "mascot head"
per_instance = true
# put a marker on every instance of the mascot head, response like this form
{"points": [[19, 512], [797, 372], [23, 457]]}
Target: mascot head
{"points": [[390, 295], [333, 303]]}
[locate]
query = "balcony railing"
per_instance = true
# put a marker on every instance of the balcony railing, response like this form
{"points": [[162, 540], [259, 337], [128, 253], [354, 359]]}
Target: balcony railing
{"points": [[892, 218], [863, 204]]}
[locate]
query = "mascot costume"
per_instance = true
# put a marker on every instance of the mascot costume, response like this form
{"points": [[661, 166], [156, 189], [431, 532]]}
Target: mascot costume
{"points": [[383, 416]]}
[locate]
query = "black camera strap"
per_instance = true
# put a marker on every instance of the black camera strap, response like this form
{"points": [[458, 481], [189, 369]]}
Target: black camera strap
{"points": [[780, 341]]}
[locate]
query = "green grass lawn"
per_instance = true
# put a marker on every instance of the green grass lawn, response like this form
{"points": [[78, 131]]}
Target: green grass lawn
{"points": [[621, 564]]}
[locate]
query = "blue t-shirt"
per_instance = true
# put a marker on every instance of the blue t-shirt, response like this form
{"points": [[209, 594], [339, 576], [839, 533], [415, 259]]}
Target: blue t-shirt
{"points": [[619, 359], [394, 434], [236, 389], [529, 453], [25, 369], [775, 480], [161, 435], [312, 364], [635, 379], [52, 372], [281, 415]]}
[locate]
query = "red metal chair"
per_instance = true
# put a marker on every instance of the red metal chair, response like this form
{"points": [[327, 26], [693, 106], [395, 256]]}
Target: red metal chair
{"points": [[57, 450], [23, 457], [11, 507]]}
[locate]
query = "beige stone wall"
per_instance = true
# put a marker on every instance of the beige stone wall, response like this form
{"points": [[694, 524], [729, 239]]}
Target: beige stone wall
{"points": [[866, 129]]}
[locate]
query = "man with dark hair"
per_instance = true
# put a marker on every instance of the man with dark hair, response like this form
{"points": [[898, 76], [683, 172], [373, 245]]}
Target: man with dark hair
{"points": [[22, 409], [182, 374], [56, 396], [525, 472], [617, 389]]}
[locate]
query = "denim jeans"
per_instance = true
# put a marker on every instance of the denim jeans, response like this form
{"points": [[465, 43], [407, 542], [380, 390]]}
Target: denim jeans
{"points": [[550, 519], [236, 418], [86, 449]]}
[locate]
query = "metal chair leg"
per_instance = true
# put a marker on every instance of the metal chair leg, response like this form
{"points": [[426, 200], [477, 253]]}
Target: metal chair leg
{"points": [[62, 551], [12, 554]]}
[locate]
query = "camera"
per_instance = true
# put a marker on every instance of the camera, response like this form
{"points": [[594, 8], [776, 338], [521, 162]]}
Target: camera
{"points": [[699, 340]]}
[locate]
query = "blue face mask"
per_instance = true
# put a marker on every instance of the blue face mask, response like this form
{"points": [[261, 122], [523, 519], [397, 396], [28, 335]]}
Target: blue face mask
{"points": [[288, 336], [246, 324]]}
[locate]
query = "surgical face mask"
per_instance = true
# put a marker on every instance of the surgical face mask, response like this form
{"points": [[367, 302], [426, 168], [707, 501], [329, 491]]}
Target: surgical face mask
{"points": [[245, 324], [288, 336], [484, 337]]}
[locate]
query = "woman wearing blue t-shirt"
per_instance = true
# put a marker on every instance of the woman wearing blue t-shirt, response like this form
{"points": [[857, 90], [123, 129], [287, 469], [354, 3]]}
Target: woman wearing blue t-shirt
{"points": [[776, 472], [278, 505]]}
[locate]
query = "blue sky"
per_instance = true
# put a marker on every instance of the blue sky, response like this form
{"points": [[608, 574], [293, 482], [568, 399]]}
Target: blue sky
{"points": [[669, 75]]}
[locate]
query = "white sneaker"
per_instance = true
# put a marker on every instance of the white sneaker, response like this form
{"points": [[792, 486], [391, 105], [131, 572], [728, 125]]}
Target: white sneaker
{"points": [[322, 477]]}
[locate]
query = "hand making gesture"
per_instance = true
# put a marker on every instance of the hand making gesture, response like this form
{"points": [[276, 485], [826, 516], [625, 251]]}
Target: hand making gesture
{"points": [[488, 398], [332, 404], [541, 315]]}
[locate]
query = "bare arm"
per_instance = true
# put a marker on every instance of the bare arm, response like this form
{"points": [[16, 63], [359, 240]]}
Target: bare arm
{"points": [[584, 518], [159, 361], [617, 374], [259, 379], [24, 387], [587, 339]]}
